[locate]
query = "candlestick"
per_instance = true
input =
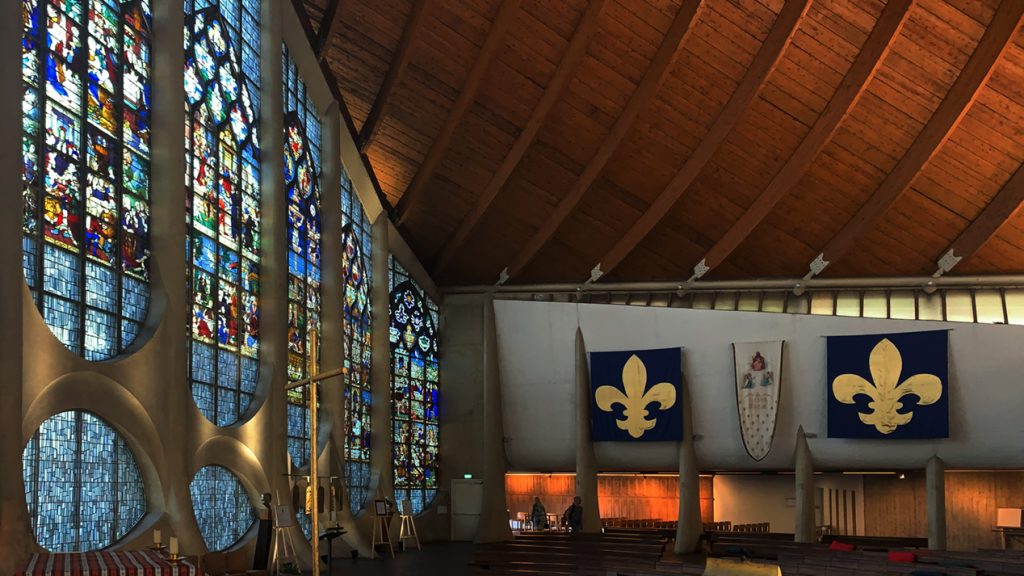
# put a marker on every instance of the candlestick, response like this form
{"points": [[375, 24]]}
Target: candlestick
{"points": [[157, 540], [174, 546]]}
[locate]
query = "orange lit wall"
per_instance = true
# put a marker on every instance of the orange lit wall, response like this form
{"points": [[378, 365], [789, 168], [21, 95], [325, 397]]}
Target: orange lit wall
{"points": [[625, 496]]}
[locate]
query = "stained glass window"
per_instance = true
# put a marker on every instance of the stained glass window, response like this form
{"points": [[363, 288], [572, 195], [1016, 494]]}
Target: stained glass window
{"points": [[85, 170], [415, 370], [82, 485], [223, 203], [222, 507], [356, 267], [302, 183]]}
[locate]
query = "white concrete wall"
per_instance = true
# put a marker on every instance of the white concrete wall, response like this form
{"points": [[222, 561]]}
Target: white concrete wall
{"points": [[535, 342]]}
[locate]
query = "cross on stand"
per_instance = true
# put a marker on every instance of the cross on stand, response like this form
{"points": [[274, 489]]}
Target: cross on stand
{"points": [[314, 378]]}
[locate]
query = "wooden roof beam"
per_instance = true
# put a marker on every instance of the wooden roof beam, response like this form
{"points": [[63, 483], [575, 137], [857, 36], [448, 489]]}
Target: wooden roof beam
{"points": [[767, 58], [846, 96], [506, 16], [395, 72], [940, 126], [656, 73], [324, 38], [1006, 204], [556, 87]]}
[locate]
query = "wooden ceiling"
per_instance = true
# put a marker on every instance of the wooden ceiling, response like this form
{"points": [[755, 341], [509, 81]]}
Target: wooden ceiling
{"points": [[748, 138]]}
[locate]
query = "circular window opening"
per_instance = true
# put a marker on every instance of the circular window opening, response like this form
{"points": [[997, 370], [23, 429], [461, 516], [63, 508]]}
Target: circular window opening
{"points": [[82, 484], [222, 507]]}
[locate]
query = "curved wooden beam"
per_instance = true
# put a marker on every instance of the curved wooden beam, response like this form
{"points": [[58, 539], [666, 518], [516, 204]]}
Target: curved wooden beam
{"points": [[767, 58], [395, 72], [1006, 204], [324, 38], [506, 15], [846, 96], [940, 126], [655, 75], [571, 61]]}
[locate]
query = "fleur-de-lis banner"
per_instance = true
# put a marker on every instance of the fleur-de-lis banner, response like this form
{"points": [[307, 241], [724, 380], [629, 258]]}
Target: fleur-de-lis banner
{"points": [[758, 390], [889, 385], [636, 395]]}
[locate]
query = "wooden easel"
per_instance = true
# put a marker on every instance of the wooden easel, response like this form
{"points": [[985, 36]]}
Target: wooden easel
{"points": [[281, 518], [407, 528], [381, 534]]}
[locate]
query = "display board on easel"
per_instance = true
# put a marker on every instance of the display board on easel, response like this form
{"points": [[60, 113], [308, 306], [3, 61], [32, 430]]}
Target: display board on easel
{"points": [[407, 530], [382, 519]]}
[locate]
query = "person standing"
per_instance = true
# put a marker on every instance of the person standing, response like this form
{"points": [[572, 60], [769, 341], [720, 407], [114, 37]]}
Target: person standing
{"points": [[538, 515], [574, 516]]}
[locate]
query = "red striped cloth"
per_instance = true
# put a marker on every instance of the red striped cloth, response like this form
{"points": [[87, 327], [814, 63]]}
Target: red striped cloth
{"points": [[107, 563]]}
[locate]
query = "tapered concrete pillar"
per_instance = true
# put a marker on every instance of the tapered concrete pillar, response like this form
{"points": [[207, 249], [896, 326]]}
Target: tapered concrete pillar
{"points": [[688, 527], [804, 490], [16, 541], [935, 493], [586, 463], [380, 368], [494, 526]]}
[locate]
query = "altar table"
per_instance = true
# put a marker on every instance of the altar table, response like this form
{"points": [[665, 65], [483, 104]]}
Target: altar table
{"points": [[107, 563]]}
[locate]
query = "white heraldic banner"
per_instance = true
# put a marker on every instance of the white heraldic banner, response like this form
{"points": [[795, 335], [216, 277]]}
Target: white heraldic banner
{"points": [[758, 389]]}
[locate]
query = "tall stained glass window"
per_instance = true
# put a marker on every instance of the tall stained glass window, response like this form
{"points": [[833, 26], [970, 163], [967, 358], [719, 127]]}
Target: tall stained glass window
{"points": [[302, 183], [356, 267], [85, 150], [82, 485], [222, 507], [223, 203], [415, 370]]}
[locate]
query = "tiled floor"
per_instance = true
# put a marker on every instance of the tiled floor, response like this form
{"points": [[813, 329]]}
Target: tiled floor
{"points": [[443, 558]]}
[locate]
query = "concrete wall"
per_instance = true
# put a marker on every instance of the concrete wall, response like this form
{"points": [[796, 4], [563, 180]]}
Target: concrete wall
{"points": [[536, 346], [144, 394]]}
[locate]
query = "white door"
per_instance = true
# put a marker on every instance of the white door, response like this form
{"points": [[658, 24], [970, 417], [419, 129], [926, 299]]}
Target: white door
{"points": [[467, 501]]}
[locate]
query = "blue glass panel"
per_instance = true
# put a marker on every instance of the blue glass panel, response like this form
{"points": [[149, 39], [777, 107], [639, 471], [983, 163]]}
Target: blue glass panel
{"points": [[86, 72], [224, 198], [82, 484], [222, 507], [415, 382]]}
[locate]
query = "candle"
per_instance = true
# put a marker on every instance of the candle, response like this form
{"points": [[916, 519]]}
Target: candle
{"points": [[174, 546], [156, 538]]}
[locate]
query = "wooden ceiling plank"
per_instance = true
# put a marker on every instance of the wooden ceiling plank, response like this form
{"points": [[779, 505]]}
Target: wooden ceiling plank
{"points": [[567, 68], [846, 96], [324, 38], [653, 77], [767, 58], [1007, 203], [968, 85], [495, 36], [403, 54]]}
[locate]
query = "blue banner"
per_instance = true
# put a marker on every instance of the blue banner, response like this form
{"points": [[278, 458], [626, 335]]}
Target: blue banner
{"points": [[636, 395], [889, 385]]}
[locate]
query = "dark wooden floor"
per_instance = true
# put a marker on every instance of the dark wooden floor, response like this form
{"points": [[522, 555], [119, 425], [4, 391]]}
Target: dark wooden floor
{"points": [[448, 558]]}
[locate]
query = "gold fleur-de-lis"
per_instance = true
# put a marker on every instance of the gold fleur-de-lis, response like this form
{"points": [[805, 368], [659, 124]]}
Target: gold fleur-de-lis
{"points": [[887, 390], [636, 398]]}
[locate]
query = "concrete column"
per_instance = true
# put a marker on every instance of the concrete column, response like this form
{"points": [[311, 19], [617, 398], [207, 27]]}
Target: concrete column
{"points": [[381, 469], [586, 462], [494, 526], [274, 260], [804, 490], [16, 540], [689, 527], [935, 493], [167, 271]]}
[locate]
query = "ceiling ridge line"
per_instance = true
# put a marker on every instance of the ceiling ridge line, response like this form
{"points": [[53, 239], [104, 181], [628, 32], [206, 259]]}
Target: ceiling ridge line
{"points": [[954, 106], [845, 98], [655, 75], [467, 96], [765, 61], [559, 83], [403, 54]]}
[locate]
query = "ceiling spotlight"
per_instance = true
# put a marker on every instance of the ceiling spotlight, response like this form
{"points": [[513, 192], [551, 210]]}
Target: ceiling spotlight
{"points": [[930, 287], [799, 289], [902, 476]]}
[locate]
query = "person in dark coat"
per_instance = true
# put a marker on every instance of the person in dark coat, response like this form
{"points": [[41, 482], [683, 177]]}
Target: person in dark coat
{"points": [[574, 516]]}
